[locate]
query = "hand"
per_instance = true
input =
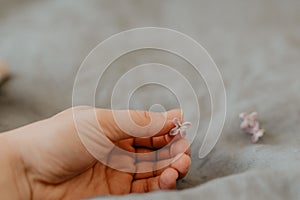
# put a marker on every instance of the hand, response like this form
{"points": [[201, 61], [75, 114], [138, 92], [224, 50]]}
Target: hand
{"points": [[48, 159]]}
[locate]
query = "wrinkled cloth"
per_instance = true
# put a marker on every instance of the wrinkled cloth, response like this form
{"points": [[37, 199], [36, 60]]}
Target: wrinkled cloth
{"points": [[255, 44]]}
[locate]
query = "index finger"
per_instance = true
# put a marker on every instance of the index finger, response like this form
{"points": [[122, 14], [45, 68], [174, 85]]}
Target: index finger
{"points": [[136, 123]]}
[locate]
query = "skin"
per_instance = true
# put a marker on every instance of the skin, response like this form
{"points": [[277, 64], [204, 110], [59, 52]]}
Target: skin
{"points": [[47, 160]]}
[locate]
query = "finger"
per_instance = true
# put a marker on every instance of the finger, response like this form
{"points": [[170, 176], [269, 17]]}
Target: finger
{"points": [[144, 154], [145, 185], [179, 145], [149, 163], [122, 160], [151, 146], [153, 142], [148, 169], [166, 181], [126, 144], [122, 124], [182, 145], [145, 170], [182, 165]]}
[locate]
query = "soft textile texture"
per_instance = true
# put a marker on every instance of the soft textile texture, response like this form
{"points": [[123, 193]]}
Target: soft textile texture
{"points": [[256, 45]]}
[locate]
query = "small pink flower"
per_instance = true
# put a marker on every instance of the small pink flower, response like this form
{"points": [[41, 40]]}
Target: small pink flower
{"points": [[250, 125], [255, 137], [180, 127]]}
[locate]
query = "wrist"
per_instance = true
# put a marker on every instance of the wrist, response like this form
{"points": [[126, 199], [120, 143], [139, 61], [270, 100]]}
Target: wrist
{"points": [[13, 178]]}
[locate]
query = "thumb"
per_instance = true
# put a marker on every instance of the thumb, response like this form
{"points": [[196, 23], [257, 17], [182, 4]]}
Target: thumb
{"points": [[122, 124]]}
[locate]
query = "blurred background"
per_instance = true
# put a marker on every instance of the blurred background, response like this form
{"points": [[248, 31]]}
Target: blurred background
{"points": [[255, 44]]}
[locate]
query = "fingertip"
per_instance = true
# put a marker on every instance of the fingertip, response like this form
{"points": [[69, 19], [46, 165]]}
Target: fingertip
{"points": [[175, 113], [168, 179], [168, 123], [179, 147], [182, 165]]}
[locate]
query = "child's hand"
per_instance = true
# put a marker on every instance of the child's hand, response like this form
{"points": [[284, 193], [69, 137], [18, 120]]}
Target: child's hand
{"points": [[53, 163]]}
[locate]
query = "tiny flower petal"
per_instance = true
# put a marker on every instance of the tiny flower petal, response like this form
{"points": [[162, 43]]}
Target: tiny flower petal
{"points": [[179, 128], [250, 125], [186, 125], [253, 115], [176, 122], [183, 132], [242, 115], [254, 138], [174, 131]]}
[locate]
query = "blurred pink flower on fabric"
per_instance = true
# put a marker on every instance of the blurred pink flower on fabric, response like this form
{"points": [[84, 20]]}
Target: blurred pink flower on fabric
{"points": [[180, 128], [251, 125]]}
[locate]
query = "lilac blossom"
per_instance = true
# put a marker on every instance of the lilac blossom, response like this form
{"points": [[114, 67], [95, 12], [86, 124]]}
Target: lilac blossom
{"points": [[180, 128], [251, 125]]}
